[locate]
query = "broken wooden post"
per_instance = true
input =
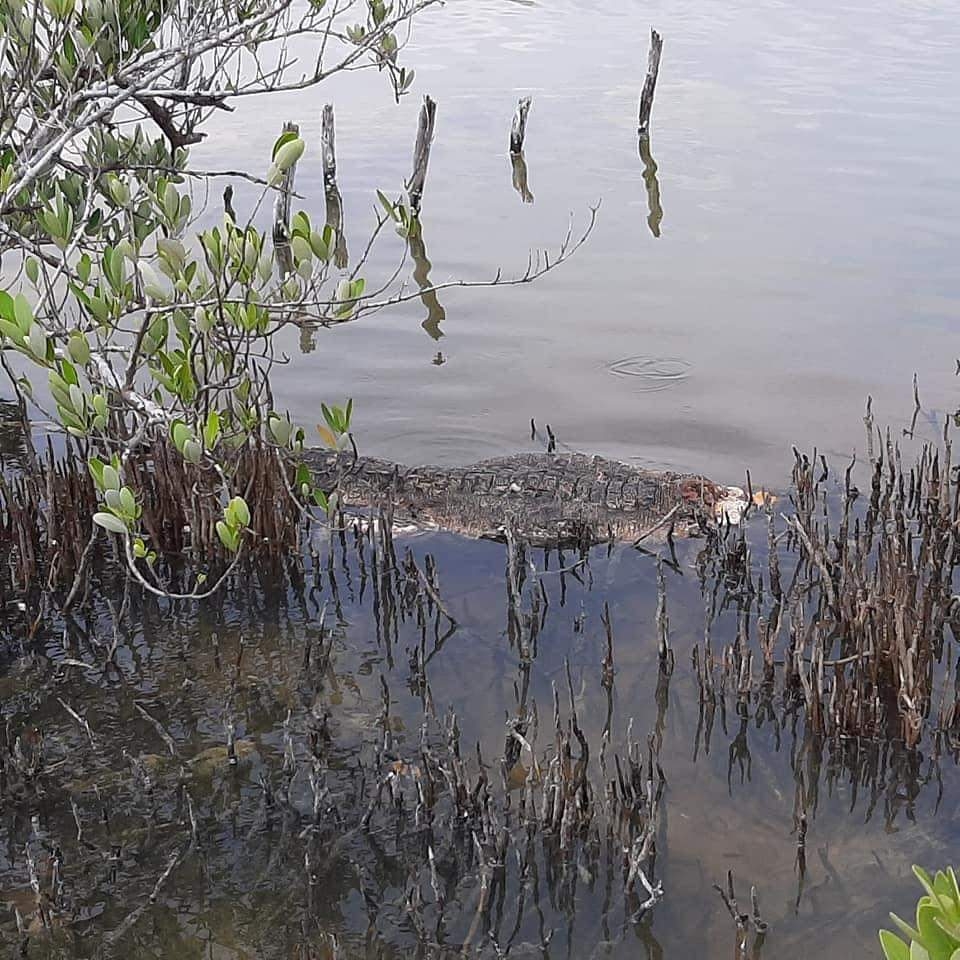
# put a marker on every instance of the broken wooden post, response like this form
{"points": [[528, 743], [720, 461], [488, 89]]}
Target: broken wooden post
{"points": [[330, 188], [650, 83], [328, 149], [421, 152], [281, 212], [228, 203], [518, 129]]}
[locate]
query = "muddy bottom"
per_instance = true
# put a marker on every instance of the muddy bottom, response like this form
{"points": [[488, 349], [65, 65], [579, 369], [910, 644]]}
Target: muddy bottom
{"points": [[250, 778]]}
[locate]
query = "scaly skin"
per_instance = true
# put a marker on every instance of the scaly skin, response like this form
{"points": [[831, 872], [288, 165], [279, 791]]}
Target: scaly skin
{"points": [[566, 498]]}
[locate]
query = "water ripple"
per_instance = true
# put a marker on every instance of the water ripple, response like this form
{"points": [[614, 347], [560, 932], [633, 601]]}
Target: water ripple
{"points": [[655, 373]]}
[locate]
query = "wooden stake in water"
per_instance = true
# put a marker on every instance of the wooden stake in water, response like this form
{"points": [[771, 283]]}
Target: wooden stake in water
{"points": [[281, 211], [328, 149], [518, 130], [331, 190], [650, 83], [421, 152]]}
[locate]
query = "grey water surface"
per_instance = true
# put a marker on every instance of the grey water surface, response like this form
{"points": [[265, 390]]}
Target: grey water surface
{"points": [[806, 163]]}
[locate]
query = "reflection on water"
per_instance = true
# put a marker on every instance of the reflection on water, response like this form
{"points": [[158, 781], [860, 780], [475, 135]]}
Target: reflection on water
{"points": [[652, 184], [764, 293], [275, 774], [421, 276], [518, 167]]}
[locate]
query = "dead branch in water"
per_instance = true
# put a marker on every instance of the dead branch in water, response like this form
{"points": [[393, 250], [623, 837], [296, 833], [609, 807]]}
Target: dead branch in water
{"points": [[421, 152], [649, 83], [281, 211], [518, 129]]}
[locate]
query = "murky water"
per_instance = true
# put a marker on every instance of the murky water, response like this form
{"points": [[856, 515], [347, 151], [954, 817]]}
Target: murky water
{"points": [[806, 166], [146, 841]]}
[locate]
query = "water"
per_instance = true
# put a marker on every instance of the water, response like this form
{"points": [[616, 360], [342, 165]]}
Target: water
{"points": [[806, 163], [263, 878]]}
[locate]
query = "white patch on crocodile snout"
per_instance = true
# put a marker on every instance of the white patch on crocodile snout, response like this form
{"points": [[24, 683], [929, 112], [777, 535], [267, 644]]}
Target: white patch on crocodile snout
{"points": [[515, 487], [362, 525], [397, 528], [731, 507]]}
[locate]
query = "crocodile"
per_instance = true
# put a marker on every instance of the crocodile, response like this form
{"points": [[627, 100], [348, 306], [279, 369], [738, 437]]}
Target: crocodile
{"points": [[545, 498]]}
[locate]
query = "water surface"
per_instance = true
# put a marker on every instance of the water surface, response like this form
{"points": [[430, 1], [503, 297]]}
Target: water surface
{"points": [[806, 163]]}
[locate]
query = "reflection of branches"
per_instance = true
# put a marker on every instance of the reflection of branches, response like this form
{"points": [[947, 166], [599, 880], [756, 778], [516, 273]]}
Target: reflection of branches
{"points": [[421, 274], [652, 185], [519, 165], [538, 264], [335, 220], [287, 310]]}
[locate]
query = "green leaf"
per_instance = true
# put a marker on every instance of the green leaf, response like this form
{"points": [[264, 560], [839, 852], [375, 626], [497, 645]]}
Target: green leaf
{"points": [[60, 389], [288, 154], [319, 246], [128, 503], [893, 947], [300, 225], [192, 452], [211, 430], [171, 202], [239, 509], [84, 266], [96, 471], [281, 429], [109, 478], [329, 417], [78, 348], [180, 433], [77, 399], [37, 341], [229, 538], [23, 312], [286, 137], [109, 522], [302, 249], [12, 332], [909, 932], [388, 206], [935, 939]]}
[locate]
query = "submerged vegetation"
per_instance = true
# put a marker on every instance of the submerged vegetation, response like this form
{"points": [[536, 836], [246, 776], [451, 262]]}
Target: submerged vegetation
{"points": [[306, 730]]}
